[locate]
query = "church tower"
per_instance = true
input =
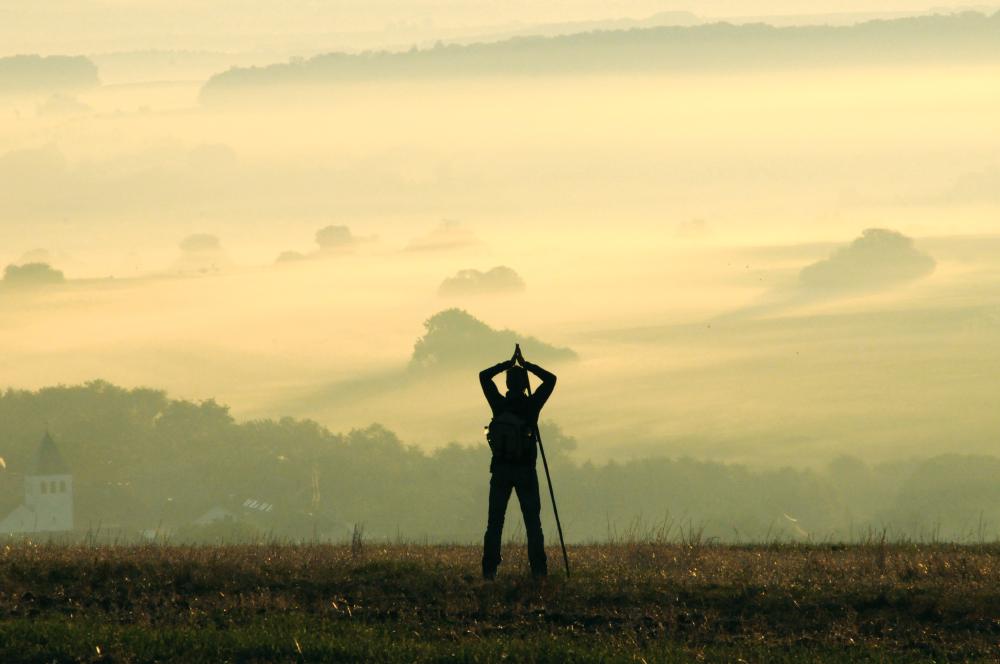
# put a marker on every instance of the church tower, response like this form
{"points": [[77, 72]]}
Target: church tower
{"points": [[48, 490]]}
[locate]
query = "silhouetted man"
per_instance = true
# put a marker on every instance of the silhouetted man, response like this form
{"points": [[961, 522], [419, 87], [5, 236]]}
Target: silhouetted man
{"points": [[513, 441]]}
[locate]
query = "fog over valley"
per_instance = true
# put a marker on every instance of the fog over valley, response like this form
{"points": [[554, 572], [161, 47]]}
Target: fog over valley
{"points": [[765, 255]]}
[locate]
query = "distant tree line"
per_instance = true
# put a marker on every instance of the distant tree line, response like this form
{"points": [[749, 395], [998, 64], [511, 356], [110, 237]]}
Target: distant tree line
{"points": [[28, 73], [946, 38], [143, 461]]}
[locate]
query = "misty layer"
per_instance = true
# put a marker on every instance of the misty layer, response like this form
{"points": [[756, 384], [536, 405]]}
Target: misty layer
{"points": [[448, 235], [201, 253], [641, 205]]}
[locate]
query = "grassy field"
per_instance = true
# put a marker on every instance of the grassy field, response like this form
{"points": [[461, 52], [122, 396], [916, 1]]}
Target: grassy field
{"points": [[625, 603]]}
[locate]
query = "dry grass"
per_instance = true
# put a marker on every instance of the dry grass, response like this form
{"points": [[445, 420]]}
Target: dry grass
{"points": [[658, 602]]}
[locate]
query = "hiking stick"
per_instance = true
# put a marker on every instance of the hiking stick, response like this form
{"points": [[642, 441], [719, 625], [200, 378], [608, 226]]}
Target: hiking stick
{"points": [[548, 477]]}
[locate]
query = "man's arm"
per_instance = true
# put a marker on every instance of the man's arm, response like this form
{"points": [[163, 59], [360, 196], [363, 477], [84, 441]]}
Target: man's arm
{"points": [[486, 381], [544, 390]]}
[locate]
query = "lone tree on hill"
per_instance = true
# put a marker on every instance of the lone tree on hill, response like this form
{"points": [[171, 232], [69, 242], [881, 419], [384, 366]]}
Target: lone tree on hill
{"points": [[456, 339], [32, 274]]}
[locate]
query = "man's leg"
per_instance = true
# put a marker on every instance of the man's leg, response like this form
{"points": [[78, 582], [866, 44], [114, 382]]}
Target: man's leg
{"points": [[500, 488], [531, 509]]}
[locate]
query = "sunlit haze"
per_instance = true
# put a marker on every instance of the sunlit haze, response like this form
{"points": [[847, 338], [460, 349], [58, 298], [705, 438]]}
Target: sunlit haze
{"points": [[767, 246]]}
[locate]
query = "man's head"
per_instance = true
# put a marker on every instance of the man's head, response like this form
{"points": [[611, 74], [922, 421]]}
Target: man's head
{"points": [[517, 380]]}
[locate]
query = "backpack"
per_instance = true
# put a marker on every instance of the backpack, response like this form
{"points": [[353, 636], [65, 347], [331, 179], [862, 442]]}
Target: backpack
{"points": [[511, 438]]}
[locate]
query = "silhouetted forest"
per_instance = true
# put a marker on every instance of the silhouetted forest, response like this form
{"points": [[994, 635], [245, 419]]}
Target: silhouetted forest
{"points": [[143, 461], [704, 47]]}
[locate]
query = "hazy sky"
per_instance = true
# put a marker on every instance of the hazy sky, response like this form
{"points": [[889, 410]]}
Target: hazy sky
{"points": [[659, 220], [266, 25], [513, 9]]}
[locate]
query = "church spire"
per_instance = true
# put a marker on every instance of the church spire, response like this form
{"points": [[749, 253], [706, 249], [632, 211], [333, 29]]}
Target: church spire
{"points": [[49, 461]]}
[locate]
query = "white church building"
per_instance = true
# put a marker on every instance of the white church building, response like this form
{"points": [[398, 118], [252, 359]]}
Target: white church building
{"points": [[48, 495]]}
